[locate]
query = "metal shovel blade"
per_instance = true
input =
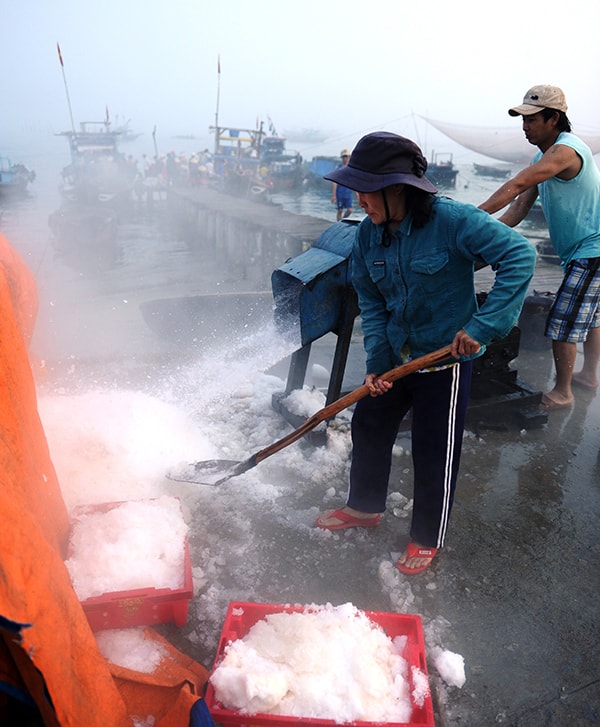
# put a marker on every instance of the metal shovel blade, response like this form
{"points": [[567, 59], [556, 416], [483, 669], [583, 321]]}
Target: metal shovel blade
{"points": [[211, 472]]}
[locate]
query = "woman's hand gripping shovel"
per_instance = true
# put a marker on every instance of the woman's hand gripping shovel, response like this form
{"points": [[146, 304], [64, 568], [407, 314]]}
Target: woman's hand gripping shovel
{"points": [[217, 471]]}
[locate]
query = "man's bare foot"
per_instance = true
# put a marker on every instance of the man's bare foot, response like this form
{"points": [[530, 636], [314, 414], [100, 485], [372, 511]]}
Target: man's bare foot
{"points": [[347, 517], [552, 401], [580, 380]]}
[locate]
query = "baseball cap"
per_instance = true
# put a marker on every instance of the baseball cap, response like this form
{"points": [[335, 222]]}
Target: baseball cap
{"points": [[540, 97], [381, 159]]}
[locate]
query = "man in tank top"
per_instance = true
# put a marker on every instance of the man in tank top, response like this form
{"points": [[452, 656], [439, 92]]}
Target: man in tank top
{"points": [[564, 175]]}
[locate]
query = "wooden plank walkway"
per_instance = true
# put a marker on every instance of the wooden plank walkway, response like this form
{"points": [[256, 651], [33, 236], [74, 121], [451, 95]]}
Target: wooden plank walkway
{"points": [[546, 278]]}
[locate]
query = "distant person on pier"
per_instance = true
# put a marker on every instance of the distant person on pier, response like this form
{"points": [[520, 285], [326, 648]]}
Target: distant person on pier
{"points": [[342, 196], [565, 176], [413, 266]]}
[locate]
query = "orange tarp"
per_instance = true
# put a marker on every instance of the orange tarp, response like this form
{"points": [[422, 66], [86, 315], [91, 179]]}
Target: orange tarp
{"points": [[24, 454], [55, 656]]}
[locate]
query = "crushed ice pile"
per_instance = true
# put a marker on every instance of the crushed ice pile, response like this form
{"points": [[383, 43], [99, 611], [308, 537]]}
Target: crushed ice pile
{"points": [[133, 545]]}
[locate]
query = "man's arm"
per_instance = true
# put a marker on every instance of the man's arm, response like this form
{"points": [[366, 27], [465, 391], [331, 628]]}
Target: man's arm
{"points": [[558, 160], [518, 209]]}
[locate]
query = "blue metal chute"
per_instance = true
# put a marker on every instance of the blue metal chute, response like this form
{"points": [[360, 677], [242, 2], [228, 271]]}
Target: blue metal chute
{"points": [[313, 296], [310, 290]]}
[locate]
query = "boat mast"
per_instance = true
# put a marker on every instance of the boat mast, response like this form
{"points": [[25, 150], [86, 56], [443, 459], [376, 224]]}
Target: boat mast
{"points": [[62, 65], [217, 130]]}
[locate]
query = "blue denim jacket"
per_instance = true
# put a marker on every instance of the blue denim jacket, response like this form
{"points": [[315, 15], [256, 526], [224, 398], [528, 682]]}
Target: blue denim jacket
{"points": [[415, 294]]}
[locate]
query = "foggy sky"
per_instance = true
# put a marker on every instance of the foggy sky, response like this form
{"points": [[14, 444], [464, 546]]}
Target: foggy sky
{"points": [[343, 67]]}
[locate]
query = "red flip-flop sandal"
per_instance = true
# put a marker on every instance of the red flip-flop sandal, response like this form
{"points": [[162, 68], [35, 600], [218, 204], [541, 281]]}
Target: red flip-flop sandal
{"points": [[415, 551], [349, 521]]}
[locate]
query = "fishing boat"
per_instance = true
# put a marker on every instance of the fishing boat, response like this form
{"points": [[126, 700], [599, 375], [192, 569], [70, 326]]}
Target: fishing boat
{"points": [[252, 160], [441, 170], [282, 167], [318, 167], [235, 160], [98, 172], [487, 170], [14, 178]]}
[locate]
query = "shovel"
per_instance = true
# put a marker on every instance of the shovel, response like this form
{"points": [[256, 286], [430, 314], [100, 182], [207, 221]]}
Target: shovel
{"points": [[217, 471]]}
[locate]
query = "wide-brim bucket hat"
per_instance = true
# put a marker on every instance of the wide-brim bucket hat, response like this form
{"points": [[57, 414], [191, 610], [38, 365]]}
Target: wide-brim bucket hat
{"points": [[381, 159]]}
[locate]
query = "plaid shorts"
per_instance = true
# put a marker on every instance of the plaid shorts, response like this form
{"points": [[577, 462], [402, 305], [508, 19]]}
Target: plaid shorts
{"points": [[576, 306]]}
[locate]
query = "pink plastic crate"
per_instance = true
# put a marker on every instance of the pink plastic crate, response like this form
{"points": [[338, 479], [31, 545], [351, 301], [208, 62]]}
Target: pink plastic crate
{"points": [[140, 606], [242, 616]]}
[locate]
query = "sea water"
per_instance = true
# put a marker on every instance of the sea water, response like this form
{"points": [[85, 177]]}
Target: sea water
{"points": [[90, 296]]}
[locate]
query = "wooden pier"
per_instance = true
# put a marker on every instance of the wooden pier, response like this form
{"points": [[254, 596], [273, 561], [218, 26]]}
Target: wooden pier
{"points": [[259, 237], [251, 238]]}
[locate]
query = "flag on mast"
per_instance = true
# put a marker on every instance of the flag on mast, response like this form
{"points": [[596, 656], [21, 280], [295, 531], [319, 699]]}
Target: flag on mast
{"points": [[219, 64], [60, 55]]}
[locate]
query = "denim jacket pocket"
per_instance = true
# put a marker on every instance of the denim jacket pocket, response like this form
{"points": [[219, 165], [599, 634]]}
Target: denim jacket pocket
{"points": [[377, 270], [427, 271]]}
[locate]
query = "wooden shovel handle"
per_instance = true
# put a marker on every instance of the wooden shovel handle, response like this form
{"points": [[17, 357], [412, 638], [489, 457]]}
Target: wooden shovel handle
{"points": [[421, 362]]}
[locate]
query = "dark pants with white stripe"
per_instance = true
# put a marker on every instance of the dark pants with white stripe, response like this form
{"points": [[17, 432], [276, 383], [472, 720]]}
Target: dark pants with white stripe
{"points": [[439, 401]]}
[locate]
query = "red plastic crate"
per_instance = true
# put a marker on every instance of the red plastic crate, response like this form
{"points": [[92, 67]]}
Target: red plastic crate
{"points": [[240, 618], [140, 606]]}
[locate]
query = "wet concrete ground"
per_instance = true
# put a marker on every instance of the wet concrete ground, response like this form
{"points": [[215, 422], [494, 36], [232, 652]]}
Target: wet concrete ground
{"points": [[516, 589]]}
